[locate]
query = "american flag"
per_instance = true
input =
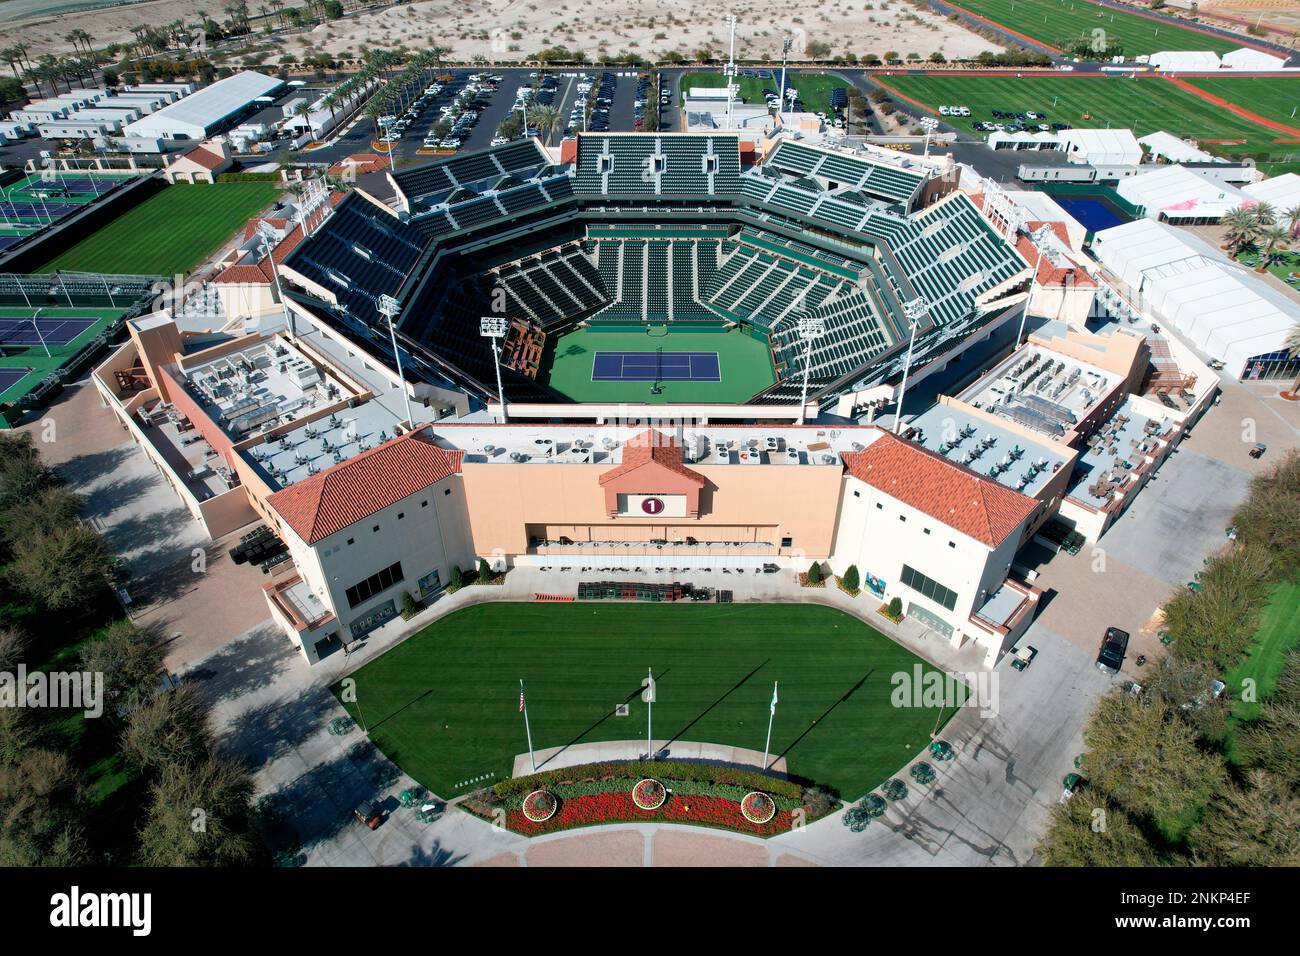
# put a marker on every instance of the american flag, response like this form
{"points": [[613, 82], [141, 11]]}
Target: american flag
{"points": [[521, 698]]}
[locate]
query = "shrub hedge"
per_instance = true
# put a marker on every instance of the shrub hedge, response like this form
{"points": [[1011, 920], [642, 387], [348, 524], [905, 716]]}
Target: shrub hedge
{"points": [[676, 775]]}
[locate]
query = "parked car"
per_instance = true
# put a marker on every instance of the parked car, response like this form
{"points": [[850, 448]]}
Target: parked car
{"points": [[369, 814], [1113, 646]]}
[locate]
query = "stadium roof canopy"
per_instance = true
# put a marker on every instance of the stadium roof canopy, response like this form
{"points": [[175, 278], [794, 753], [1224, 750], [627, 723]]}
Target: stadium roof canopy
{"points": [[1186, 61], [199, 114], [1179, 194], [1222, 308]]}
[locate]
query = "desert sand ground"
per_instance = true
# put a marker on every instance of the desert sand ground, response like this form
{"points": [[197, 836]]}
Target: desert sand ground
{"points": [[1284, 14], [507, 30]]}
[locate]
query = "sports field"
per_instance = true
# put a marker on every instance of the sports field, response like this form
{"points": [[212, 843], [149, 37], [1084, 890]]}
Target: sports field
{"points": [[444, 705], [743, 366], [170, 232], [814, 88], [1273, 98], [31, 201], [1063, 23], [1144, 105], [23, 362]]}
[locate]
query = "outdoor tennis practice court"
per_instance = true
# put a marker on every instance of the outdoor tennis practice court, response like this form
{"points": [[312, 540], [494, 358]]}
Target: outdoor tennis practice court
{"points": [[9, 377], [21, 330], [656, 367]]}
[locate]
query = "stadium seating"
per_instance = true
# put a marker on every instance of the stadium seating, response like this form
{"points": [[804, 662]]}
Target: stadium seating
{"points": [[877, 178], [670, 164]]}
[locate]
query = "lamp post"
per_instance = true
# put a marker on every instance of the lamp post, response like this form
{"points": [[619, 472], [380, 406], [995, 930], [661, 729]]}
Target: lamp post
{"points": [[786, 43], [1039, 238], [494, 327], [811, 328], [729, 71], [913, 309], [389, 307], [929, 124]]}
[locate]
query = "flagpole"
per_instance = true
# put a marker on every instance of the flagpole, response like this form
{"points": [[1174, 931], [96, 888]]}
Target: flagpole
{"points": [[649, 715], [527, 730], [771, 716]]}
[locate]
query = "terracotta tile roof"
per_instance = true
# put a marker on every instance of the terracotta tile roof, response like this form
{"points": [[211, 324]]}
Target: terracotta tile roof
{"points": [[205, 157], [651, 445], [353, 490], [976, 506], [1048, 274], [248, 271]]}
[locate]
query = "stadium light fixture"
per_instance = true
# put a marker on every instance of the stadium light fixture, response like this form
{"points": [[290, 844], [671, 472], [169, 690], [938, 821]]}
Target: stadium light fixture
{"points": [[1039, 238], [494, 327], [929, 124], [264, 232], [913, 309], [36, 324], [811, 328], [389, 307]]}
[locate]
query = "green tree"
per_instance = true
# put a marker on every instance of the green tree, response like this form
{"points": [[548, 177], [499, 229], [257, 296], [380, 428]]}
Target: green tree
{"points": [[851, 580], [1089, 830], [130, 660], [199, 815], [457, 577], [65, 569], [484, 572], [40, 805], [814, 572], [1257, 824], [171, 730]]}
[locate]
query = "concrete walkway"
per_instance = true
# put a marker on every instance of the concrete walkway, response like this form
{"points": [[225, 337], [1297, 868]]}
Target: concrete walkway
{"points": [[557, 758]]}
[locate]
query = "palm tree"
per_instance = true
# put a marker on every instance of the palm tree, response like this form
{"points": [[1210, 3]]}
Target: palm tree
{"points": [[1272, 236], [1265, 214], [1239, 229], [1292, 218], [544, 118], [1292, 345]]}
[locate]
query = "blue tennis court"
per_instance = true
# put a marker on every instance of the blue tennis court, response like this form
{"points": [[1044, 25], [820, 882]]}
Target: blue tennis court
{"points": [[9, 377], [656, 367], [53, 330]]}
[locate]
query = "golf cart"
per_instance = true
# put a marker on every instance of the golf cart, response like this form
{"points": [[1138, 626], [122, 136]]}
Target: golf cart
{"points": [[1258, 450], [1023, 657], [369, 814]]}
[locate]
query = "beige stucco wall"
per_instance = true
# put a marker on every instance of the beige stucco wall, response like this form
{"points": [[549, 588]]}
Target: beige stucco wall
{"points": [[751, 502]]}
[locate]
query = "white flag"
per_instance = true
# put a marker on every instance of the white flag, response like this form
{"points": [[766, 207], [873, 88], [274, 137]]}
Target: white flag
{"points": [[773, 709]]}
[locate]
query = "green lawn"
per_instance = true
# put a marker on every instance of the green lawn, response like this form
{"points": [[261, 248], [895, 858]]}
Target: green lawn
{"points": [[814, 88], [1279, 632], [1272, 97], [1144, 105], [168, 233], [444, 704], [745, 364], [1061, 23]]}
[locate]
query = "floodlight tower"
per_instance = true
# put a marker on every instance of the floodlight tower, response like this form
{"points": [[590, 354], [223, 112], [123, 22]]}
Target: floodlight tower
{"points": [[389, 307], [929, 124], [494, 327], [786, 43], [1039, 238], [811, 328], [264, 233], [729, 71], [913, 309]]}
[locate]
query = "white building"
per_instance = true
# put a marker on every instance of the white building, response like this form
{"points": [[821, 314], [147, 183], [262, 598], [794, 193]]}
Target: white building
{"points": [[1220, 307], [201, 114], [1255, 61], [1179, 194], [1185, 61], [1101, 147], [1281, 192], [1170, 149]]}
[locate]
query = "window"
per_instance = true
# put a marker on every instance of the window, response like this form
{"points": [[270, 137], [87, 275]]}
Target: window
{"points": [[926, 530], [879, 506], [375, 529], [857, 494], [351, 541], [446, 491], [424, 504], [902, 517], [935, 591], [402, 514], [787, 542], [952, 544], [375, 584]]}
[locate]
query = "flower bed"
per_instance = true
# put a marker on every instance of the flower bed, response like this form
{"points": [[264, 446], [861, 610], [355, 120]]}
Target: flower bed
{"points": [[731, 798], [539, 806], [757, 807], [805, 583], [619, 807], [649, 794]]}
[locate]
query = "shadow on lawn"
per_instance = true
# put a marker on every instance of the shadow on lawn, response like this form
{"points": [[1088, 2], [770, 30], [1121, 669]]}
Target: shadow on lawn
{"points": [[824, 714]]}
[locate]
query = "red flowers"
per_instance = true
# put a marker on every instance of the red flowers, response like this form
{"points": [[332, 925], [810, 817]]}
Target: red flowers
{"points": [[618, 807]]}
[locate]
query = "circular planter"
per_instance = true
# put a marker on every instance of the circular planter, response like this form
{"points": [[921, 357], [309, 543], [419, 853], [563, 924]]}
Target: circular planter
{"points": [[649, 794], [540, 805], [758, 807]]}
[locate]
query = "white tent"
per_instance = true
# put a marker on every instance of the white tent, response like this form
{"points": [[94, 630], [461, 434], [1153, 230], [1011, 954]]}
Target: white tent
{"points": [[1185, 61], [1281, 192], [199, 114], [1170, 148], [1101, 147], [1221, 308], [1255, 60], [1179, 194]]}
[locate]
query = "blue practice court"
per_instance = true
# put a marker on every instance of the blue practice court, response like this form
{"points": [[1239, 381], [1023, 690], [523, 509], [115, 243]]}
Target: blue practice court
{"points": [[656, 367], [9, 377], [54, 331]]}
